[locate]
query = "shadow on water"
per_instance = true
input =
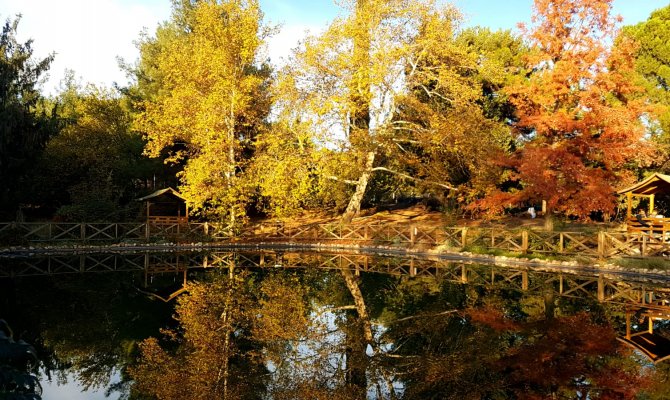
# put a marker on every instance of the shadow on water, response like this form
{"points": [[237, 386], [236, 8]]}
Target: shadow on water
{"points": [[291, 325]]}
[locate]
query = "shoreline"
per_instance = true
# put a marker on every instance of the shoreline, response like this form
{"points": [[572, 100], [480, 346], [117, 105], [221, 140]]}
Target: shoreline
{"points": [[437, 253]]}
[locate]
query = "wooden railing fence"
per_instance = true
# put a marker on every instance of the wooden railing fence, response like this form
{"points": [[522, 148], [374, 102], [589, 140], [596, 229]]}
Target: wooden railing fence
{"points": [[602, 244], [92, 232]]}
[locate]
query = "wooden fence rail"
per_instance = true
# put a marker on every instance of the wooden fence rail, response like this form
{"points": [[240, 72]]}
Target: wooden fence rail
{"points": [[601, 244], [92, 232]]}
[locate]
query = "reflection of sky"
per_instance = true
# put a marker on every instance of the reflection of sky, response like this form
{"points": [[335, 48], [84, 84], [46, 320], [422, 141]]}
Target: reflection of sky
{"points": [[326, 354], [73, 390]]}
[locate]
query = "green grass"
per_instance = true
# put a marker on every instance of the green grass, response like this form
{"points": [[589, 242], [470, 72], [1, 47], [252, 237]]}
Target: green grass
{"points": [[650, 263]]}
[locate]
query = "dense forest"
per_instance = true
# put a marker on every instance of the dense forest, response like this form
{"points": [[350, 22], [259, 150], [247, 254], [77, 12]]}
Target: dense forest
{"points": [[394, 101]]}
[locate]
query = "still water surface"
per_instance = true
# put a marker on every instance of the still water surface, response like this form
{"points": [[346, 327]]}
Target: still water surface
{"points": [[282, 325]]}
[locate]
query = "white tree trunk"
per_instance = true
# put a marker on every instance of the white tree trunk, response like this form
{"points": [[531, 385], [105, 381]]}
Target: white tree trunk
{"points": [[354, 206]]}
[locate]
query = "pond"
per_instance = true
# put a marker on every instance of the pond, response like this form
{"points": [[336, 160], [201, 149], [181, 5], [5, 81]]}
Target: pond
{"points": [[283, 324]]}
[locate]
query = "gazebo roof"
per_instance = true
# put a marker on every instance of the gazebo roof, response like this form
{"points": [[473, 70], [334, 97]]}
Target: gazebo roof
{"points": [[162, 192], [656, 183]]}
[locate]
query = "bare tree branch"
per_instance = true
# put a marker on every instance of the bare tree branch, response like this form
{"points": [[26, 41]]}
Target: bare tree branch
{"points": [[347, 181], [415, 179], [425, 316], [406, 141], [430, 93]]}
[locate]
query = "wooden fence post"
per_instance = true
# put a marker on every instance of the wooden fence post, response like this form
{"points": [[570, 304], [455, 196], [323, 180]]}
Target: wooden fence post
{"points": [[601, 288], [206, 228], [412, 235], [524, 241], [560, 243], [82, 231], [464, 237], [601, 244]]}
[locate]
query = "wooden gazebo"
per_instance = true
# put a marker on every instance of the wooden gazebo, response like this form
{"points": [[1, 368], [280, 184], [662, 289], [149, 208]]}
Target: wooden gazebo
{"points": [[649, 188], [165, 206]]}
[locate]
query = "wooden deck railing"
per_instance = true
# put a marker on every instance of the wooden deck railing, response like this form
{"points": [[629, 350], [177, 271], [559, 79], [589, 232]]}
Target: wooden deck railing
{"points": [[603, 244], [91, 232], [160, 219], [655, 226], [600, 244]]}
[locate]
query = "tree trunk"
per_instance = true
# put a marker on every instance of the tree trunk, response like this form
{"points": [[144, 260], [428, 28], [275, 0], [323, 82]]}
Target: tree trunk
{"points": [[224, 369], [354, 206], [548, 220], [549, 304], [230, 173], [360, 97], [356, 293], [358, 335]]}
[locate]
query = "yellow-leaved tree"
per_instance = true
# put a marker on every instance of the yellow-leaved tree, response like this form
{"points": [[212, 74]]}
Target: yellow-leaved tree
{"points": [[385, 91], [204, 98]]}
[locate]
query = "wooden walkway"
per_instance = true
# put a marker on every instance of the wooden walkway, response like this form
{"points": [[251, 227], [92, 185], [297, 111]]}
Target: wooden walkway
{"points": [[602, 244]]}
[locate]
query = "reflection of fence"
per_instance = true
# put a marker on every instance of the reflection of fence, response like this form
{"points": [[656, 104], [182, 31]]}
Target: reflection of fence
{"points": [[597, 286], [596, 244]]}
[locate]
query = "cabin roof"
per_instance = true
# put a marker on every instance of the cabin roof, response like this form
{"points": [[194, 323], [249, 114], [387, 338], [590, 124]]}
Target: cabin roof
{"points": [[654, 346], [653, 184], [158, 193]]}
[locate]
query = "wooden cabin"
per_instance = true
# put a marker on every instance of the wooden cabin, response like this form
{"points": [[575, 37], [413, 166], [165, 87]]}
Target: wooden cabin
{"points": [[649, 188], [165, 206]]}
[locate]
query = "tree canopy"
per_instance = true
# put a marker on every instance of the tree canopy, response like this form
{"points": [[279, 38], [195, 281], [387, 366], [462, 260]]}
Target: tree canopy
{"points": [[24, 126], [393, 100], [209, 102], [580, 112], [652, 62]]}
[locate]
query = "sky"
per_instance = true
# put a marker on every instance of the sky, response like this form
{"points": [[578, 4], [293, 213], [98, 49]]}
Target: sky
{"points": [[88, 36]]}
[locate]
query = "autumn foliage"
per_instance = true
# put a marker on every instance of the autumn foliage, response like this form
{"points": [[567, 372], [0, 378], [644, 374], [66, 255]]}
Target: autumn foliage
{"points": [[572, 356], [569, 355], [580, 113], [394, 98]]}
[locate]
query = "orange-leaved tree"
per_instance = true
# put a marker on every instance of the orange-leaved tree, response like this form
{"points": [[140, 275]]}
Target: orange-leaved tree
{"points": [[581, 117]]}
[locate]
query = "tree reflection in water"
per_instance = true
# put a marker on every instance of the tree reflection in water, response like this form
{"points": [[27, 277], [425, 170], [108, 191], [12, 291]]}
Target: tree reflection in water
{"points": [[84, 327], [317, 335], [310, 333]]}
